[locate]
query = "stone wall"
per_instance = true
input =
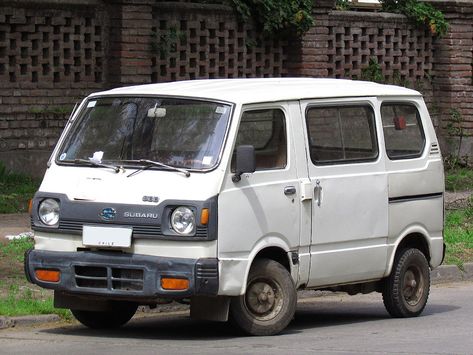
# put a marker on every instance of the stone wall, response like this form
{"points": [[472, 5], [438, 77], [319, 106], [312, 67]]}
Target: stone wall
{"points": [[53, 53]]}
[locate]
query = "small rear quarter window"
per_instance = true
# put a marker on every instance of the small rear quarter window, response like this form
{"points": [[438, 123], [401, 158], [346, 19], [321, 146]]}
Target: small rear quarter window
{"points": [[403, 133]]}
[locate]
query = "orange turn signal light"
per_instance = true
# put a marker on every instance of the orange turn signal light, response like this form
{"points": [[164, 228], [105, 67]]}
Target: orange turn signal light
{"points": [[168, 283], [204, 217], [30, 206], [48, 275]]}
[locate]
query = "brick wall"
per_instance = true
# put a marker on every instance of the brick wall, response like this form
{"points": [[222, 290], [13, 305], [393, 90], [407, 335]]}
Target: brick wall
{"points": [[343, 43], [50, 57], [453, 82], [55, 53], [206, 41]]}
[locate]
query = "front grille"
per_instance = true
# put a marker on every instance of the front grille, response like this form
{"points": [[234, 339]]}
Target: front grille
{"points": [[109, 278], [71, 226], [201, 232], [139, 231], [146, 230]]}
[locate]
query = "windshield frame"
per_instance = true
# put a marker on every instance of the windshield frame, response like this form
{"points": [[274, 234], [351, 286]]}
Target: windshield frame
{"points": [[83, 107]]}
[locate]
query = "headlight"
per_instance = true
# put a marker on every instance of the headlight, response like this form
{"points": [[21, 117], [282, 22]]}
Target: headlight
{"points": [[183, 220], [49, 212]]}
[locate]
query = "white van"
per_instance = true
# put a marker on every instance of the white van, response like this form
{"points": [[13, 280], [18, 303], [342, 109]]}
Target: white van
{"points": [[236, 193]]}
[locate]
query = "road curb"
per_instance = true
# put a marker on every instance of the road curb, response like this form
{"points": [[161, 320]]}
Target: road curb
{"points": [[452, 273], [442, 274], [11, 322]]}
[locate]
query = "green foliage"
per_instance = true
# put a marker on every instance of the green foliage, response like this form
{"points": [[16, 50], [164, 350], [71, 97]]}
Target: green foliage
{"points": [[15, 249], [15, 191], [25, 301], [454, 126], [17, 297], [57, 110], [455, 134], [372, 72], [343, 5], [421, 13], [277, 17], [459, 236], [459, 179], [166, 42]]}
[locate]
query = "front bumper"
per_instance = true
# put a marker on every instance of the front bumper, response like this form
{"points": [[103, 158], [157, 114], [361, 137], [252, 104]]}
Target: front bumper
{"points": [[122, 276]]}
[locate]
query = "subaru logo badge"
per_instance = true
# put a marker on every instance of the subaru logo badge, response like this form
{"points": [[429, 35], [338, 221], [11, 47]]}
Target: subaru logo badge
{"points": [[108, 214]]}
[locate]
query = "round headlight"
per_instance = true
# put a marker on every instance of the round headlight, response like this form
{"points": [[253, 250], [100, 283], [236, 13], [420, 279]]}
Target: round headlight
{"points": [[49, 212], [183, 220]]}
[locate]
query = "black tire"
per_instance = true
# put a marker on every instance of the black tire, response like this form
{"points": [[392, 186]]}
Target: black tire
{"points": [[406, 290], [122, 312], [270, 300]]}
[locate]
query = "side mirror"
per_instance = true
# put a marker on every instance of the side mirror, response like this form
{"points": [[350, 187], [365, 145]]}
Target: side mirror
{"points": [[245, 161]]}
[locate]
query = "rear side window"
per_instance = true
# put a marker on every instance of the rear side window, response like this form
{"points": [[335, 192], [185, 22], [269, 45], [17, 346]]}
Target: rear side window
{"points": [[344, 134], [403, 132], [266, 131]]}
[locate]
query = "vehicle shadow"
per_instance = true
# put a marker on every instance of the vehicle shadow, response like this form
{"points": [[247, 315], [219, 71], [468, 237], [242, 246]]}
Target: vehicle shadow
{"points": [[338, 314], [181, 327]]}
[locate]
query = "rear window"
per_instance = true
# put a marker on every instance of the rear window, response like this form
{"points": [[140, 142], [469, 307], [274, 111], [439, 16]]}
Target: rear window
{"points": [[403, 133], [343, 134]]}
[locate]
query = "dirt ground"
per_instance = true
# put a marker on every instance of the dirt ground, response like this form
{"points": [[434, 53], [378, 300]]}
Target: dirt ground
{"points": [[14, 224]]}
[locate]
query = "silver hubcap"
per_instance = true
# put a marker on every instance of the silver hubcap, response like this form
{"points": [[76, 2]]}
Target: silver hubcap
{"points": [[413, 286], [264, 299]]}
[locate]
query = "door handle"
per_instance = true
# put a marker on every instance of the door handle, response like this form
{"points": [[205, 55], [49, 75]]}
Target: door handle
{"points": [[318, 193], [289, 190]]}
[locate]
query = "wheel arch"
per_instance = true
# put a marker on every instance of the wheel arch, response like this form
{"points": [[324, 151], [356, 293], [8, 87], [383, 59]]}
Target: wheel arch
{"points": [[411, 239], [273, 249], [275, 253]]}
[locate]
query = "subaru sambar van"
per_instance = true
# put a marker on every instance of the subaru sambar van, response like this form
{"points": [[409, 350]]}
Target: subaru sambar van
{"points": [[234, 194]]}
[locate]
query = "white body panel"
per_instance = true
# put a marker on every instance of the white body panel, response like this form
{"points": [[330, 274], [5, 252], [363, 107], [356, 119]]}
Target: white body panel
{"points": [[67, 243], [104, 185], [256, 214], [417, 177], [350, 222]]}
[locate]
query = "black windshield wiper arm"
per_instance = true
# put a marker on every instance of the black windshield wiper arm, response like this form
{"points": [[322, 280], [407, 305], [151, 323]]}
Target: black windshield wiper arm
{"points": [[150, 163], [96, 163]]}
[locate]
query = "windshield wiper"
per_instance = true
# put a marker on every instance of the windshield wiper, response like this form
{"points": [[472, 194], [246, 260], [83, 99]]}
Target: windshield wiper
{"points": [[150, 163], [96, 163]]}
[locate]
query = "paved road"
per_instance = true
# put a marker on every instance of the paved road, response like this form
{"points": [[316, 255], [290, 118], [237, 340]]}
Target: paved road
{"points": [[336, 324]]}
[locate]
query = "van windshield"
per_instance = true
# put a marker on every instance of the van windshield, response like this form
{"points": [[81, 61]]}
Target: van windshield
{"points": [[177, 132]]}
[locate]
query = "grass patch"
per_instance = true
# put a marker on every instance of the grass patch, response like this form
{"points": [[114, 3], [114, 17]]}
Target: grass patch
{"points": [[16, 248], [17, 295], [459, 236], [26, 300], [459, 179], [15, 191]]}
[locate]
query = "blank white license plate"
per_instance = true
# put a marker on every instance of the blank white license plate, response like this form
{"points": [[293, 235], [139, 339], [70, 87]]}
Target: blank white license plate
{"points": [[106, 236]]}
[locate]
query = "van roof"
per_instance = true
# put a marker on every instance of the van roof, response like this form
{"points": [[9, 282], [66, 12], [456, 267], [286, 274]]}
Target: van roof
{"points": [[264, 89]]}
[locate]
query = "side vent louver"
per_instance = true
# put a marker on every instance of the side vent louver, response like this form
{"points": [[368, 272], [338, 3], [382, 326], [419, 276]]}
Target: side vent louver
{"points": [[434, 149]]}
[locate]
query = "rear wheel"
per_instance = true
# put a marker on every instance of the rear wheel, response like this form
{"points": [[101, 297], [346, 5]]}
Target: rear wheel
{"points": [[121, 313], [269, 303], [406, 290]]}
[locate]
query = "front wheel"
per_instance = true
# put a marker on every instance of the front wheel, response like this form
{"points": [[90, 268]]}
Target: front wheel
{"points": [[406, 290], [121, 313], [270, 300]]}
